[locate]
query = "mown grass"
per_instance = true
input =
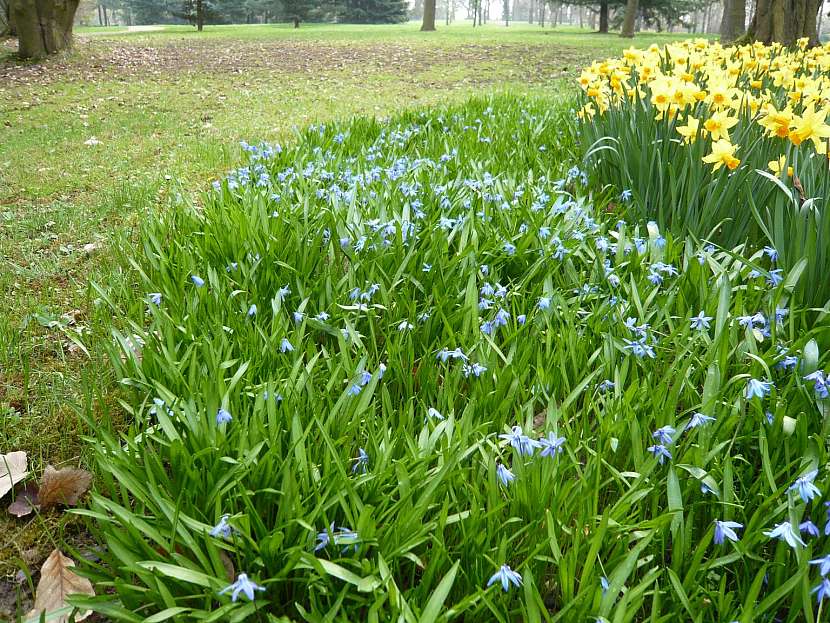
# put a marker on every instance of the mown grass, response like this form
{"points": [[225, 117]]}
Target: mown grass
{"points": [[168, 128]]}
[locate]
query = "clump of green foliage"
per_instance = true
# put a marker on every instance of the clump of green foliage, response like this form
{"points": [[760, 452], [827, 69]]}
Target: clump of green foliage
{"points": [[414, 371]]}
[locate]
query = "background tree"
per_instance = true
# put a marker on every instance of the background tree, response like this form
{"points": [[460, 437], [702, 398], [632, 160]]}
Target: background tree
{"points": [[43, 26], [629, 19], [733, 22], [371, 11], [784, 21], [428, 23]]}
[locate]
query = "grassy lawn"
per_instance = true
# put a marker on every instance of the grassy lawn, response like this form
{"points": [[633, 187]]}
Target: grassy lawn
{"points": [[90, 141]]}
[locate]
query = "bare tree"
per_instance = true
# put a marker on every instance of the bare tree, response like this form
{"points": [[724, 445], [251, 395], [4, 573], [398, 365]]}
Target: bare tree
{"points": [[43, 26]]}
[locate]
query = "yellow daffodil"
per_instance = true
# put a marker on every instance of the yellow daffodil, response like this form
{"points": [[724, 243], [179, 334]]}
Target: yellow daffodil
{"points": [[776, 166], [719, 124], [723, 153], [810, 126], [689, 131]]}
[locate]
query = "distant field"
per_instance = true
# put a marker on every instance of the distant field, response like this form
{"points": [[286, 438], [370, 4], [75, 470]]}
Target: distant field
{"points": [[92, 139]]}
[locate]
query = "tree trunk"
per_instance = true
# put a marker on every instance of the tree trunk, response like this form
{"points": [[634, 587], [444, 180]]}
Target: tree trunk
{"points": [[429, 16], [785, 21], [630, 17], [542, 8], [506, 9], [200, 15], [734, 20], [296, 22], [43, 26], [603, 17], [530, 11]]}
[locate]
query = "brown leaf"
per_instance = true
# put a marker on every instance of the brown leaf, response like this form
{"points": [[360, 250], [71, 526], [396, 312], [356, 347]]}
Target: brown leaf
{"points": [[12, 470], [799, 188], [230, 571], [25, 502], [57, 580], [62, 486]]}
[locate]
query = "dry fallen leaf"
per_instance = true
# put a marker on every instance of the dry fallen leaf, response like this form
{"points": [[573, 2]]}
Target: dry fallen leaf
{"points": [[62, 486], [57, 580], [25, 501], [230, 571], [12, 470]]}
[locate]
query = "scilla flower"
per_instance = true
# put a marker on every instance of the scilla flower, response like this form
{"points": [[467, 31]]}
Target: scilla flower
{"points": [[504, 474], [784, 531], [242, 585], [726, 530], [505, 576], [805, 487], [223, 416]]}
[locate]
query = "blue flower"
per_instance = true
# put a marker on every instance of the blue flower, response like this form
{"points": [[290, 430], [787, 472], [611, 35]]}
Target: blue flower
{"points": [[626, 195], [242, 585], [771, 253], [354, 389], [223, 416], [808, 527], [726, 530], [639, 348], [506, 576], [805, 487], [197, 281], [701, 321], [698, 419], [604, 585], [298, 317], [552, 445], [434, 414], [774, 277], [521, 442], [155, 298], [504, 474], [785, 532], [521, 318], [825, 564], [404, 325], [222, 529], [544, 303], [475, 369], [757, 389], [822, 590], [606, 386], [661, 452], [663, 435], [820, 384], [285, 346], [361, 462], [252, 311]]}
